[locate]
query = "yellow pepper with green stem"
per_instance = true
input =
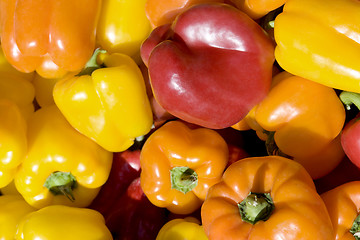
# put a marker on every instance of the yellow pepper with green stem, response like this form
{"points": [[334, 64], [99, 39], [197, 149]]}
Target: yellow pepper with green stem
{"points": [[320, 40], [110, 106], [61, 166]]}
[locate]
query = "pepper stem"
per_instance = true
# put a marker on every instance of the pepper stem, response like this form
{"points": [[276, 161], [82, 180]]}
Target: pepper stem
{"points": [[349, 98], [355, 229], [61, 183], [256, 207], [183, 179], [92, 64], [271, 146]]}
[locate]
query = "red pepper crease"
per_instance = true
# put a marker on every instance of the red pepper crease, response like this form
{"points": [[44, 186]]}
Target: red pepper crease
{"points": [[210, 66]]}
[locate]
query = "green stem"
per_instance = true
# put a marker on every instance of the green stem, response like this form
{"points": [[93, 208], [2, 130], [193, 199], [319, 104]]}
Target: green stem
{"points": [[355, 229], [349, 98], [92, 64], [183, 179], [61, 183], [256, 207]]}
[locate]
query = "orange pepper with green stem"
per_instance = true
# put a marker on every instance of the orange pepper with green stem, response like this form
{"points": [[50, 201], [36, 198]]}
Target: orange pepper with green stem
{"points": [[51, 37], [343, 204], [269, 197], [302, 120], [195, 159]]}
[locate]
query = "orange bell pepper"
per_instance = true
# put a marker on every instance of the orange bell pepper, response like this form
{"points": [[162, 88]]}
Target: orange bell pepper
{"points": [[161, 12], [49, 36], [299, 125], [257, 8], [195, 159], [269, 198], [343, 204]]}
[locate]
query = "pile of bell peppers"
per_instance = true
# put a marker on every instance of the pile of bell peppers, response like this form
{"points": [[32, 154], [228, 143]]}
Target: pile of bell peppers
{"points": [[180, 119]]}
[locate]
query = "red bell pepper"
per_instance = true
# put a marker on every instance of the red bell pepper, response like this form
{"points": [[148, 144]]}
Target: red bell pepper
{"points": [[125, 168], [134, 217], [210, 66]]}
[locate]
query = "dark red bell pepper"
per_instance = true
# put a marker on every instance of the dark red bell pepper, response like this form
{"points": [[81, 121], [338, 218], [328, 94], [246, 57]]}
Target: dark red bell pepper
{"points": [[125, 168], [134, 217], [211, 66]]}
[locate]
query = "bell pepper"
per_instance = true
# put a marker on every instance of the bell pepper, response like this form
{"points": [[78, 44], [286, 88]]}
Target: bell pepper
{"points": [[9, 189], [351, 130], [211, 66], [17, 89], [296, 125], [257, 8], [306, 33], [63, 222], [109, 106], [345, 172], [50, 37], [125, 168], [268, 197], [61, 166], [164, 12], [126, 33], [188, 228], [343, 206], [7, 68], [195, 159], [13, 141], [133, 216], [12, 209]]}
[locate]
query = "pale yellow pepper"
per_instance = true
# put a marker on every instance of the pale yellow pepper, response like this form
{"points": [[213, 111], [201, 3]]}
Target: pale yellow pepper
{"points": [[123, 26], [110, 106], [62, 166], [12, 209], [63, 222], [188, 228]]}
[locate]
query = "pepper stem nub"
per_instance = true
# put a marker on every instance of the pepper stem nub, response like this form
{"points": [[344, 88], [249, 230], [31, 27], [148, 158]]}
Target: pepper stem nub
{"points": [[355, 229], [256, 207], [61, 183], [349, 98], [183, 179]]}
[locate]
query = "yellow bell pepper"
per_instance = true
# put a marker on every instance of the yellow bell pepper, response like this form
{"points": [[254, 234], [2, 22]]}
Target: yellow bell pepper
{"points": [[13, 143], [319, 40], [9, 189], [188, 228], [12, 209], [110, 106], [6, 67], [63, 222], [123, 26], [62, 166]]}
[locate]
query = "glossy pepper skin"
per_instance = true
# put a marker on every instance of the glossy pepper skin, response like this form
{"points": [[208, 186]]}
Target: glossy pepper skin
{"points": [[211, 66], [295, 209], [195, 158], [133, 216], [159, 12], [312, 54], [12, 209], [13, 140], [63, 222], [125, 168], [188, 228], [50, 37], [343, 206], [126, 33], [257, 8], [54, 147], [109, 106], [304, 128]]}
